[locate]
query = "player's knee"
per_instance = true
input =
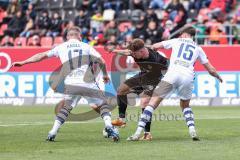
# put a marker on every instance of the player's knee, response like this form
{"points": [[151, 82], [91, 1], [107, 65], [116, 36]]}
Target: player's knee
{"points": [[105, 109], [120, 91], [184, 103], [123, 89], [95, 108], [68, 108], [155, 101], [59, 106], [144, 103]]}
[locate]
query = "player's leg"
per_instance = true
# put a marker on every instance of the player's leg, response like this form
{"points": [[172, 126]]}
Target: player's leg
{"points": [[145, 98], [133, 83], [95, 108], [122, 102], [105, 112], [144, 102], [97, 97], [189, 118], [185, 94], [163, 89], [62, 115], [60, 105], [104, 108]]}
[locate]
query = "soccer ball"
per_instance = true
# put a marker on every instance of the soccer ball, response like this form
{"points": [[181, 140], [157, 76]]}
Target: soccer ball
{"points": [[105, 134]]}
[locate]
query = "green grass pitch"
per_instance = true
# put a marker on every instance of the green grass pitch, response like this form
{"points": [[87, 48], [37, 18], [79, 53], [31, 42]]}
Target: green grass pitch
{"points": [[23, 131]]}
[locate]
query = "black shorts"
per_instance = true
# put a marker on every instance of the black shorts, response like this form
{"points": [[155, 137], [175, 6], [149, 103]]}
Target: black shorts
{"points": [[143, 83]]}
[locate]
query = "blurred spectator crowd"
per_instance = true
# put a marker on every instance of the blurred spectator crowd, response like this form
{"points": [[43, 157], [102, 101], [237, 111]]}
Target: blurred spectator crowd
{"points": [[44, 23]]}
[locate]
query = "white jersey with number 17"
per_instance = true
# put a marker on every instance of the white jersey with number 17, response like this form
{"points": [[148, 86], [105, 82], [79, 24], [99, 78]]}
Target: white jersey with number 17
{"points": [[76, 57], [185, 52]]}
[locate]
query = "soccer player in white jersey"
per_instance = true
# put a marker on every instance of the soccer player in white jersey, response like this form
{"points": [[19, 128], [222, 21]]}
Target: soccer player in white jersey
{"points": [[77, 59], [179, 78]]}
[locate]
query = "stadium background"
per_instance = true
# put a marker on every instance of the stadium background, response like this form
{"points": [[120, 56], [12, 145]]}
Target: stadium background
{"points": [[23, 130], [28, 27]]}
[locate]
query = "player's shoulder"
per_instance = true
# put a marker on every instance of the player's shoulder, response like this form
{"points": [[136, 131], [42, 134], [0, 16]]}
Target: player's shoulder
{"points": [[173, 40], [200, 49], [185, 40], [86, 45]]}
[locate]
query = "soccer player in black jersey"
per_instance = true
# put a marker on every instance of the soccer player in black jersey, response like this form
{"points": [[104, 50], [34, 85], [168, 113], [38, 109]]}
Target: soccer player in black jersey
{"points": [[151, 64]]}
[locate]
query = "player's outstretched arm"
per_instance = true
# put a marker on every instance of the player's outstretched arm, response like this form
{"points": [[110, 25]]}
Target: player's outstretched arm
{"points": [[124, 52], [112, 49], [212, 71], [157, 46], [35, 58], [103, 68]]}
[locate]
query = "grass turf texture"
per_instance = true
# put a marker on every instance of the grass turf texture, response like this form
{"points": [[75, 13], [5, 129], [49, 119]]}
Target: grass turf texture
{"points": [[23, 131]]}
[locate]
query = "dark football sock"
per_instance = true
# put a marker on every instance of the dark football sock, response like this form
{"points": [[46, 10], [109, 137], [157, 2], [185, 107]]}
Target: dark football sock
{"points": [[122, 105]]}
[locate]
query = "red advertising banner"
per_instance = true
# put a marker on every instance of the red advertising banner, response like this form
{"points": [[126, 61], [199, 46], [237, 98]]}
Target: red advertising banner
{"points": [[224, 58]]}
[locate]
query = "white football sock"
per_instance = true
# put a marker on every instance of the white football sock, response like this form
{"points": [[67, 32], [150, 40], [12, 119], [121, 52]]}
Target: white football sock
{"points": [[57, 124], [107, 121], [138, 131]]}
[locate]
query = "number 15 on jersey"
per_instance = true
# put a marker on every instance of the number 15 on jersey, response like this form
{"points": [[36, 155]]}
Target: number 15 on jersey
{"points": [[186, 51]]}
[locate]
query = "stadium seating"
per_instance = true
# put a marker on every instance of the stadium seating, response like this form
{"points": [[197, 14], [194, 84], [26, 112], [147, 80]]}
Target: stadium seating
{"points": [[55, 4], [124, 15], [2, 15], [78, 4], [69, 4], [29, 41], [58, 40], [4, 40], [52, 11], [46, 41], [68, 10], [20, 41], [3, 28], [135, 15], [69, 14], [123, 25], [42, 4]]}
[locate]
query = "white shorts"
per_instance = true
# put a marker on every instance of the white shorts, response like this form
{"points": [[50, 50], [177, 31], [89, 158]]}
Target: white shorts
{"points": [[91, 92], [181, 84]]}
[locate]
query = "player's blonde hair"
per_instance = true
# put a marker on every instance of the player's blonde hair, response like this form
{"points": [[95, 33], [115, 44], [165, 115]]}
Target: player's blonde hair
{"points": [[74, 31]]}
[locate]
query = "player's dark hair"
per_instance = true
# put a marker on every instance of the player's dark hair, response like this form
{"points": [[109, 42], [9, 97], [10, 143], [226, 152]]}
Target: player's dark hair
{"points": [[136, 44], [189, 30]]}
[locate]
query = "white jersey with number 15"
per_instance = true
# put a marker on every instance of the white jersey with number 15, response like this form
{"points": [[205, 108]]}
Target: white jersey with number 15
{"points": [[185, 52]]}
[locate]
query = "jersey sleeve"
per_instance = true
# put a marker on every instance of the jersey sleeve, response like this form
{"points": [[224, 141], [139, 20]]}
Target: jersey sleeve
{"points": [[94, 53], [168, 43], [53, 52], [202, 57]]}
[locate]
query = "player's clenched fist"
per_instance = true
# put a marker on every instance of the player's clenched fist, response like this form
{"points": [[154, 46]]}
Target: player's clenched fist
{"points": [[106, 79], [17, 64]]}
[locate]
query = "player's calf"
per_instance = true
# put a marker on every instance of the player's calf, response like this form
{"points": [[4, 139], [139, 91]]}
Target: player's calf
{"points": [[145, 117], [59, 121], [189, 118], [122, 107], [112, 132]]}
